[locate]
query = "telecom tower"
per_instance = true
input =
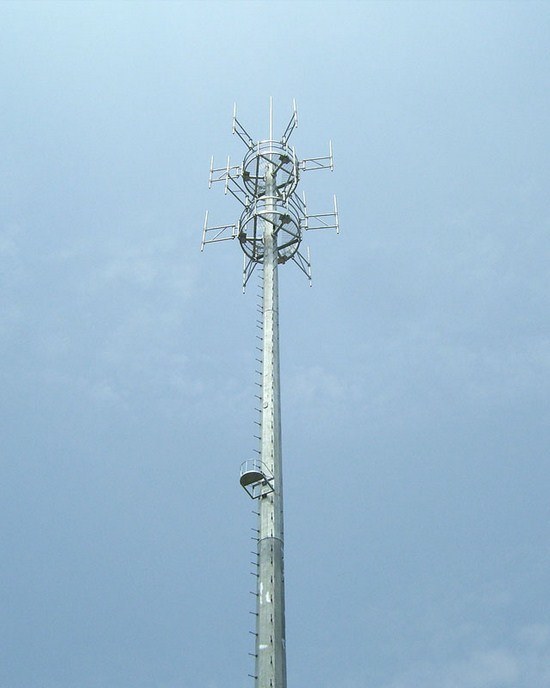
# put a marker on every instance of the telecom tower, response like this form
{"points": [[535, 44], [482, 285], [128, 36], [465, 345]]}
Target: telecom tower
{"points": [[270, 230]]}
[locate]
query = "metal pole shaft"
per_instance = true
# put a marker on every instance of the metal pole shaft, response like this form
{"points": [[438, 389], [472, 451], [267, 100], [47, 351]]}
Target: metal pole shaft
{"points": [[270, 639]]}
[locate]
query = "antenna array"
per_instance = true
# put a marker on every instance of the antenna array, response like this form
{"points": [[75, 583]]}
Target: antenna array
{"points": [[286, 209]]}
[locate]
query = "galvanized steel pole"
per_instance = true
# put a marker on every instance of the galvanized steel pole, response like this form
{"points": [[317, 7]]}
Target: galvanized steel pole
{"points": [[270, 638]]}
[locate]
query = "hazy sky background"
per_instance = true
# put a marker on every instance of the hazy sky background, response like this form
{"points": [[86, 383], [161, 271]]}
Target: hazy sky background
{"points": [[415, 372]]}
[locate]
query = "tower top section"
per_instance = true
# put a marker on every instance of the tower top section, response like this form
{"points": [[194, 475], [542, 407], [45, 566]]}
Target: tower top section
{"points": [[265, 184]]}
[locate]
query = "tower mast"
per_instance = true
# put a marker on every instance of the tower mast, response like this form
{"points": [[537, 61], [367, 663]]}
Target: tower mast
{"points": [[270, 231], [270, 639]]}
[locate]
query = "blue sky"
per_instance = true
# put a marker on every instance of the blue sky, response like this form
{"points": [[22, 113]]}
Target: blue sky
{"points": [[415, 372]]}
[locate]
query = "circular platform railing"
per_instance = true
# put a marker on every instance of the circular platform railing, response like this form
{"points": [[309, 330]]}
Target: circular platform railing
{"points": [[287, 218], [256, 478], [285, 164]]}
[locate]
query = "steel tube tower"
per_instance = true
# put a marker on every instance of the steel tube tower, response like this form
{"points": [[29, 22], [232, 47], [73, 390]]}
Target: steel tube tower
{"points": [[270, 639], [270, 231]]}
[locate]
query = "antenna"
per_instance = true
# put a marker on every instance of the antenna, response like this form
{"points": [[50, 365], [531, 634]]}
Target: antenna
{"points": [[270, 230]]}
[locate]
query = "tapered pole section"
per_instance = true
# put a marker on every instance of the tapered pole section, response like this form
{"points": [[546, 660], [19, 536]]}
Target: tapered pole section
{"points": [[270, 639]]}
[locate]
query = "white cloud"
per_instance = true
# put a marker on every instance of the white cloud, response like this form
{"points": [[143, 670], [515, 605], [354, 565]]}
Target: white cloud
{"points": [[521, 662]]}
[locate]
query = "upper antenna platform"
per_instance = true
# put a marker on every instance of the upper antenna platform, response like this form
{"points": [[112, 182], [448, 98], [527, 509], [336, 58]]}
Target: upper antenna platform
{"points": [[284, 163], [265, 184]]}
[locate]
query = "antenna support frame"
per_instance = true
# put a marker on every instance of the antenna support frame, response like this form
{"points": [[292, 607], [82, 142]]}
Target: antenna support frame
{"points": [[282, 207]]}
